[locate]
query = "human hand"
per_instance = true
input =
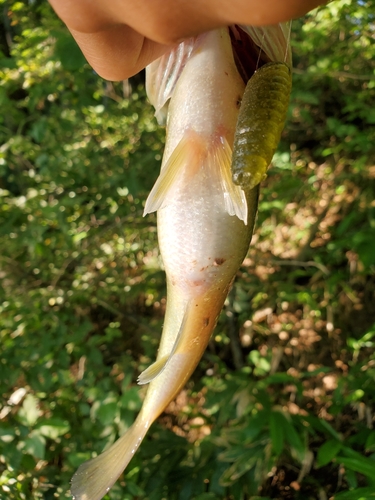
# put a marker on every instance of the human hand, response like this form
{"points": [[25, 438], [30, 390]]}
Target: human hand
{"points": [[121, 37]]}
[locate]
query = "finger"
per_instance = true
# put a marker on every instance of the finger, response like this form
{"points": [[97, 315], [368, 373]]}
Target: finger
{"points": [[168, 21], [265, 12], [120, 37], [118, 52], [88, 16]]}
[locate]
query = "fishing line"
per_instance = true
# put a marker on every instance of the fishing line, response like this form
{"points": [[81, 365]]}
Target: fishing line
{"points": [[260, 51], [288, 41]]}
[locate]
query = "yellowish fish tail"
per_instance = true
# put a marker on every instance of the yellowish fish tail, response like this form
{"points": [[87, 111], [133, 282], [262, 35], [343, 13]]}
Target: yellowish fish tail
{"points": [[96, 477], [168, 375]]}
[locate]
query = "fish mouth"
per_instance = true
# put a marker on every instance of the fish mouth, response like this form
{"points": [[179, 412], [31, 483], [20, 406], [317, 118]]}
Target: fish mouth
{"points": [[248, 55]]}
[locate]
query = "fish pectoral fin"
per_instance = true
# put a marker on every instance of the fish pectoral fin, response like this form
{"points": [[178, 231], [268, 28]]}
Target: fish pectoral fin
{"points": [[220, 157], [153, 370], [163, 74], [187, 153]]}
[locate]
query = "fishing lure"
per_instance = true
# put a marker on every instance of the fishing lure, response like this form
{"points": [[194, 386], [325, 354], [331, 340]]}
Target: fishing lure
{"points": [[260, 122]]}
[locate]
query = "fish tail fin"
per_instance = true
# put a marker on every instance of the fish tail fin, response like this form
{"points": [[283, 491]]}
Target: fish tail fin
{"points": [[95, 477], [196, 155]]}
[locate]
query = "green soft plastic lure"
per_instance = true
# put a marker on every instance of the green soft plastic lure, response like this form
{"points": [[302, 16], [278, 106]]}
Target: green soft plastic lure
{"points": [[260, 122]]}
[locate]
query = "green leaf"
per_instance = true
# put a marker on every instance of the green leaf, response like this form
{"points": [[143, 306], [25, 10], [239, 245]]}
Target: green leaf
{"points": [[351, 478], [35, 445], [206, 496], [131, 399], [232, 454], [76, 459], [279, 378], [328, 427], [247, 461], [38, 130], [12, 456], [7, 63], [370, 442], [68, 52], [328, 451], [363, 465], [29, 412], [291, 436], [7, 433], [53, 427], [323, 426], [106, 413], [277, 431], [134, 490], [357, 494], [260, 498]]}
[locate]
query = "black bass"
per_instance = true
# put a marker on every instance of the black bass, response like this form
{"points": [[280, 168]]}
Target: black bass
{"points": [[205, 224]]}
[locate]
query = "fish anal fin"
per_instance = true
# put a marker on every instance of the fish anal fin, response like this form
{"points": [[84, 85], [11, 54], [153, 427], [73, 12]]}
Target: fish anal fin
{"points": [[153, 370], [185, 159], [220, 157], [156, 368]]}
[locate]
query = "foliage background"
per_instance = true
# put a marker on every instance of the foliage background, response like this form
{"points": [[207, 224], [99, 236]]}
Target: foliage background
{"points": [[282, 404]]}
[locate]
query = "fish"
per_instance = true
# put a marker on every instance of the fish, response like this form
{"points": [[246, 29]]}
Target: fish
{"points": [[205, 223]]}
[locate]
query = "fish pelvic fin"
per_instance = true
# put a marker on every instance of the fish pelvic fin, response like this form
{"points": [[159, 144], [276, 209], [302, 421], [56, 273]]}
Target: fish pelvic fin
{"points": [[196, 155], [95, 477], [156, 368]]}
